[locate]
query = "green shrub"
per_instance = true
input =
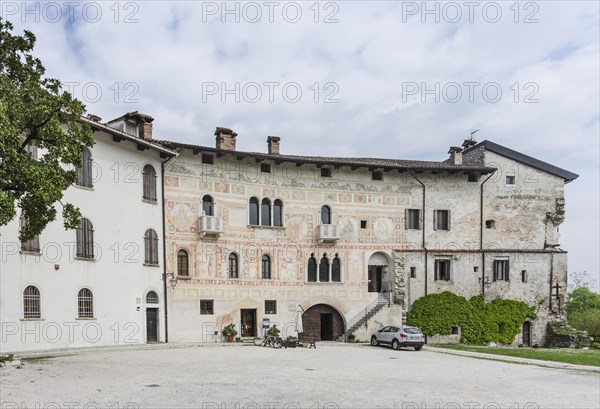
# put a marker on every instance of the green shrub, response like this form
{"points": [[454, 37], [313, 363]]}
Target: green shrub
{"points": [[479, 321], [586, 321]]}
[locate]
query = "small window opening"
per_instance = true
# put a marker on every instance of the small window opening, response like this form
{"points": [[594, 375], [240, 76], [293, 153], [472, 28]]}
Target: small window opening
{"points": [[363, 224], [265, 167]]}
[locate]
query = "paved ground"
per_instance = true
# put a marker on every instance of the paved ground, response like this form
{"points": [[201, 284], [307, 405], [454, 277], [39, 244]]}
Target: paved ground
{"points": [[332, 376]]}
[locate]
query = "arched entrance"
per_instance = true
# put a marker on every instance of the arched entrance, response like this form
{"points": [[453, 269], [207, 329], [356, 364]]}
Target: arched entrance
{"points": [[323, 322], [379, 281]]}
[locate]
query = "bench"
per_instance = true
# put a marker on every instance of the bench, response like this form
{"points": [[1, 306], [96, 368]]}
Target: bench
{"points": [[307, 339]]}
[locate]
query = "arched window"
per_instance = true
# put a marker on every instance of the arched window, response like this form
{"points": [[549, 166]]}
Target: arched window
{"points": [[278, 213], [84, 172], [208, 205], [32, 245], [31, 302], [183, 266], [266, 267], [336, 270], [149, 178], [325, 215], [233, 266], [253, 211], [324, 269], [265, 212], [312, 269], [151, 297], [85, 239], [85, 303], [151, 247]]}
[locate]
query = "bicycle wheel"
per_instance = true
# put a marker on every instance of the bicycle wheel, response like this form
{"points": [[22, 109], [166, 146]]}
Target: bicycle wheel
{"points": [[277, 343]]}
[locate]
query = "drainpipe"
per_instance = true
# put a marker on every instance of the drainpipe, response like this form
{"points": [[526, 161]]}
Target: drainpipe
{"points": [[422, 227], [481, 234], [550, 308], [164, 231]]}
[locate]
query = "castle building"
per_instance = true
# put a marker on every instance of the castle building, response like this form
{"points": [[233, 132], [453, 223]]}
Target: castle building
{"points": [[178, 240], [323, 243]]}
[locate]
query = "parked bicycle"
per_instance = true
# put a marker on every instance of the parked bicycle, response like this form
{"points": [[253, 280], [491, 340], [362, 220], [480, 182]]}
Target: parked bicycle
{"points": [[272, 341]]}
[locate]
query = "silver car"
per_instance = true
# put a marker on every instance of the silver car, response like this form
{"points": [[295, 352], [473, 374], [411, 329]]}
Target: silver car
{"points": [[399, 337]]}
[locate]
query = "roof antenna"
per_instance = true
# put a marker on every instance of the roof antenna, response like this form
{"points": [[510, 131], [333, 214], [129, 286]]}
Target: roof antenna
{"points": [[473, 133]]}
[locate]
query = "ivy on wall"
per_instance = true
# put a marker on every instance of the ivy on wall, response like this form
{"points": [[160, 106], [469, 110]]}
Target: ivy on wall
{"points": [[497, 321]]}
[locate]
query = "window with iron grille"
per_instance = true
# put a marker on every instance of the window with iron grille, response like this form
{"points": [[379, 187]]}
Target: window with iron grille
{"points": [[312, 269], [270, 306], [266, 267], [151, 247], [149, 180], [84, 172], [413, 219], [510, 180], [442, 270], [441, 219], [472, 177], [233, 266], [183, 268], [31, 302], [85, 303], [151, 297], [207, 307], [32, 245], [85, 239], [501, 270], [336, 270]]}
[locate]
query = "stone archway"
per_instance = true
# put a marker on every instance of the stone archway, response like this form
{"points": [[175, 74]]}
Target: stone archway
{"points": [[323, 322], [378, 273]]}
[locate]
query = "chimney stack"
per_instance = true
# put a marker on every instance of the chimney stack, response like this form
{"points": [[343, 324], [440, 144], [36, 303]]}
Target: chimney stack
{"points": [[273, 144], [94, 118], [468, 143], [225, 139], [144, 124], [456, 156]]}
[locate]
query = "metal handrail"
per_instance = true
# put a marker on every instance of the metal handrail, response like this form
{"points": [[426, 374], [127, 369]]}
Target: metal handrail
{"points": [[364, 313]]}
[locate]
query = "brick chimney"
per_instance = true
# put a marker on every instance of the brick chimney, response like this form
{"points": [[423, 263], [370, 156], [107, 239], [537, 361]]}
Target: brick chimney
{"points": [[145, 129], [456, 156], [94, 118], [273, 144], [225, 138]]}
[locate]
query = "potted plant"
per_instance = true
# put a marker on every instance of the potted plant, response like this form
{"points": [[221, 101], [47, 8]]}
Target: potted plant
{"points": [[351, 338], [274, 331], [229, 331], [291, 341]]}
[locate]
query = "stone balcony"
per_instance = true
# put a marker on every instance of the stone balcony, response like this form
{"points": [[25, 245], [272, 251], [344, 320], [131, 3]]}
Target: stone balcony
{"points": [[328, 233], [211, 226]]}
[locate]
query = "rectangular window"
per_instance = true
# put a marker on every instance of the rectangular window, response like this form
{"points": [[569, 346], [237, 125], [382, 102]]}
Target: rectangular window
{"points": [[510, 180], [326, 172], [442, 270], [524, 276], [413, 219], [265, 168], [363, 224], [208, 159], [441, 219], [207, 307], [377, 175], [500, 270], [473, 177], [270, 306], [32, 245], [413, 272]]}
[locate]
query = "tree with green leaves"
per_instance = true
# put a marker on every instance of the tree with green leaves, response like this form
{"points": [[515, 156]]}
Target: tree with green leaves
{"points": [[36, 115]]}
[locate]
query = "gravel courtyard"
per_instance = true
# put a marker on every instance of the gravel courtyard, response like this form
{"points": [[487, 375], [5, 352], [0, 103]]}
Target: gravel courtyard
{"points": [[332, 376]]}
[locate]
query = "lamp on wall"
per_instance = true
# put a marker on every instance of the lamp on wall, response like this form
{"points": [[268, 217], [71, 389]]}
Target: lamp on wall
{"points": [[172, 280], [486, 282]]}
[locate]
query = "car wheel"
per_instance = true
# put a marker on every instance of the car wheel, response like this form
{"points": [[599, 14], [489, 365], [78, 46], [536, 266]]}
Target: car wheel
{"points": [[419, 348], [374, 341], [396, 344]]}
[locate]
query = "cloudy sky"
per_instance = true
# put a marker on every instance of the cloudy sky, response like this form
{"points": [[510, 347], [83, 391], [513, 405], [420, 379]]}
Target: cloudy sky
{"points": [[347, 78]]}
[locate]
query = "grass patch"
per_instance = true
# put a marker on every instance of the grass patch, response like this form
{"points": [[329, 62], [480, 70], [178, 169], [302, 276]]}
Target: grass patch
{"points": [[589, 357]]}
